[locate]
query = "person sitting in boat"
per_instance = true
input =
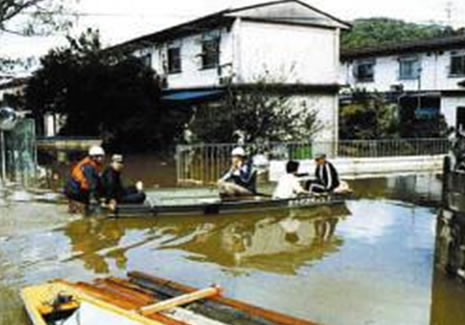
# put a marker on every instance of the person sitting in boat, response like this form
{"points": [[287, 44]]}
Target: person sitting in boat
{"points": [[326, 176], [240, 179], [113, 190], [84, 185], [288, 185]]}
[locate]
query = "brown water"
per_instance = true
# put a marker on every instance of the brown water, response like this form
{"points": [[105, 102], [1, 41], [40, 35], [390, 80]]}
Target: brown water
{"points": [[369, 262]]}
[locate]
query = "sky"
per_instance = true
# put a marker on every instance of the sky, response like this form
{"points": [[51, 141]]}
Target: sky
{"points": [[120, 20]]}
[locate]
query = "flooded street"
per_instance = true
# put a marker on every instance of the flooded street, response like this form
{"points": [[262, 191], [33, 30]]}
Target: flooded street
{"points": [[370, 261]]}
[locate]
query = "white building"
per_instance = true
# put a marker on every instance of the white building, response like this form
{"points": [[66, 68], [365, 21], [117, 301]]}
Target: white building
{"points": [[12, 87], [288, 40], [426, 75]]}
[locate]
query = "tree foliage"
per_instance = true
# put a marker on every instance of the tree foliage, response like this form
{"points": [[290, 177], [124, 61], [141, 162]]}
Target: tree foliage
{"points": [[260, 112], [368, 116], [376, 31], [105, 95]]}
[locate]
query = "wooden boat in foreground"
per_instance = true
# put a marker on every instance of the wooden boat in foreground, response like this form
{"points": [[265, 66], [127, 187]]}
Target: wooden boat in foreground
{"points": [[214, 206], [140, 299]]}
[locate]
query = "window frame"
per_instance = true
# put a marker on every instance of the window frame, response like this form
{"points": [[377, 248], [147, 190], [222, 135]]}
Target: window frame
{"points": [[455, 55], [364, 62], [173, 68], [208, 53], [416, 65]]}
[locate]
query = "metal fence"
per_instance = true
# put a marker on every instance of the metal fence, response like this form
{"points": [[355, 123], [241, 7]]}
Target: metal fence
{"points": [[204, 163]]}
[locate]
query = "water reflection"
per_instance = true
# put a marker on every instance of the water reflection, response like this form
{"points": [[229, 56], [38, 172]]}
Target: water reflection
{"points": [[424, 190], [97, 242], [277, 242], [379, 255], [449, 277]]}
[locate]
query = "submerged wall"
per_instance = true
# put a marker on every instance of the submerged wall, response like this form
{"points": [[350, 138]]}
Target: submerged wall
{"points": [[357, 168]]}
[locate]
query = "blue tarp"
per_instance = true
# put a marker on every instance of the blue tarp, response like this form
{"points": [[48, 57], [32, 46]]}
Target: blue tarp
{"points": [[192, 95]]}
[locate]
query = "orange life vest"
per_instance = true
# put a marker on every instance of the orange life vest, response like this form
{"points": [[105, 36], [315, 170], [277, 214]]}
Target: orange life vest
{"points": [[77, 172]]}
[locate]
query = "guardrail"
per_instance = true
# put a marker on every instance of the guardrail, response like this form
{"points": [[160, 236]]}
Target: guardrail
{"points": [[205, 163], [67, 143]]}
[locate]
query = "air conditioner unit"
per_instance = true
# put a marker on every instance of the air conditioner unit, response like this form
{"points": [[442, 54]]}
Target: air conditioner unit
{"points": [[398, 88]]}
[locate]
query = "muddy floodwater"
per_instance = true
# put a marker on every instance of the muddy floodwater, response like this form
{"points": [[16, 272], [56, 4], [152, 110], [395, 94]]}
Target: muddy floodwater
{"points": [[370, 261]]}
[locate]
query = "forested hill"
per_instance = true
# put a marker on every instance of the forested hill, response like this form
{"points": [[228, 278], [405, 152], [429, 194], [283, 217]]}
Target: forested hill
{"points": [[375, 31]]}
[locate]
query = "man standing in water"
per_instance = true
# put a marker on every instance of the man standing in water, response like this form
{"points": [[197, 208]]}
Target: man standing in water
{"points": [[240, 179], [84, 183], [113, 190]]}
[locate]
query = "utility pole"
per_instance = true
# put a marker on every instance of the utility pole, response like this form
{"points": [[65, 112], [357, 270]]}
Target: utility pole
{"points": [[449, 12]]}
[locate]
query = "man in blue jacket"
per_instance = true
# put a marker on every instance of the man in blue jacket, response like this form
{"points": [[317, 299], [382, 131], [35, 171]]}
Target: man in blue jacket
{"points": [[240, 179]]}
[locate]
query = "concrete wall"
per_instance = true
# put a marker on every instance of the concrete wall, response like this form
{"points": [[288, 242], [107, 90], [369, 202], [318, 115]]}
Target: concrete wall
{"points": [[434, 74], [355, 168]]}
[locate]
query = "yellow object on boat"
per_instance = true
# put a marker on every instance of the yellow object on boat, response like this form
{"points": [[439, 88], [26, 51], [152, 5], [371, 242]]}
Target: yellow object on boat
{"points": [[39, 303]]}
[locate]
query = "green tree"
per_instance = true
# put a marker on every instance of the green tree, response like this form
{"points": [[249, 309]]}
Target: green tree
{"points": [[368, 116], [102, 94], [375, 31], [264, 111]]}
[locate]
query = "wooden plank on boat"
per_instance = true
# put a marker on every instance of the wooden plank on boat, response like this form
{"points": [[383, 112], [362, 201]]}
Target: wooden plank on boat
{"points": [[180, 300], [265, 315]]}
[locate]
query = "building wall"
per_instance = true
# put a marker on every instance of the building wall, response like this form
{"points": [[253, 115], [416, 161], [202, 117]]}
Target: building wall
{"points": [[327, 108], [250, 49], [449, 105], [434, 73], [192, 74], [16, 90], [294, 54]]}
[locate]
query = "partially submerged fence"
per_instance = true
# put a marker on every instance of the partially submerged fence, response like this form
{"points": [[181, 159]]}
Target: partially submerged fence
{"points": [[205, 163]]}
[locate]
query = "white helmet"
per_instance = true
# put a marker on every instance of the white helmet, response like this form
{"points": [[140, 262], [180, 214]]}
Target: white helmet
{"points": [[239, 151], [96, 151]]}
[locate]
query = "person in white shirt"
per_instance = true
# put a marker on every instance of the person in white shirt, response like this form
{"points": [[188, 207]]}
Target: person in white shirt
{"points": [[288, 185]]}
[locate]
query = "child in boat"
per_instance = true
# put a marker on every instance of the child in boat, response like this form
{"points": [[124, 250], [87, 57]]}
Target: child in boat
{"points": [[288, 185]]}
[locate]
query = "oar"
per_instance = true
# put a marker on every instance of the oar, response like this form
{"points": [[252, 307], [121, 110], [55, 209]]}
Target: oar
{"points": [[180, 300]]}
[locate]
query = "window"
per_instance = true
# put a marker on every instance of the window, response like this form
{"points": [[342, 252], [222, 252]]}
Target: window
{"points": [[210, 53], [147, 60], [365, 70], [174, 60], [409, 68], [457, 64]]}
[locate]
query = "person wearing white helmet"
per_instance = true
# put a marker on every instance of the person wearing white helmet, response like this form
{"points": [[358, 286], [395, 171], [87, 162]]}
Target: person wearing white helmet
{"points": [[84, 185], [240, 179]]}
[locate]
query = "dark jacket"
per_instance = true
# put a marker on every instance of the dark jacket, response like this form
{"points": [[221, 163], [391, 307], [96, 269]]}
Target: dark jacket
{"points": [[327, 176], [112, 184], [245, 177]]}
